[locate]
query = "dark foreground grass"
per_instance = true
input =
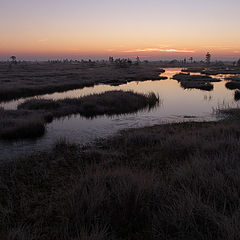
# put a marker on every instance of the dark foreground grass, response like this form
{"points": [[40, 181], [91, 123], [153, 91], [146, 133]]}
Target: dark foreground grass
{"points": [[176, 181], [109, 103]]}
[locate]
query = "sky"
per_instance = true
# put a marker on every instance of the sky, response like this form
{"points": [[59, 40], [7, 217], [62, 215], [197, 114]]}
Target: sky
{"points": [[150, 29]]}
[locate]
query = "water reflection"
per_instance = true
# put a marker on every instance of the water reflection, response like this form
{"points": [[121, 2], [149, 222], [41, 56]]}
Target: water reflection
{"points": [[177, 105]]}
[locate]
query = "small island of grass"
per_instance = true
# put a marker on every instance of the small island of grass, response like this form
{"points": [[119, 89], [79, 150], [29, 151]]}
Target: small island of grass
{"points": [[202, 82], [30, 118]]}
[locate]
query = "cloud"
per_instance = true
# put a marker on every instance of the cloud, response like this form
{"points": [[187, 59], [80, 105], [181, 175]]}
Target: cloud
{"points": [[159, 50], [43, 40]]}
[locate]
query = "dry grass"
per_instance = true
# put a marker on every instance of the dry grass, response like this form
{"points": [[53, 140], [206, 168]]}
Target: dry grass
{"points": [[230, 113], [30, 118], [223, 70], [109, 103], [177, 181], [197, 85], [214, 69], [20, 124], [30, 79], [189, 77], [189, 81], [234, 82]]}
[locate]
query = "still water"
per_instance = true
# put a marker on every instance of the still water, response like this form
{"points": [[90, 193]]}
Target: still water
{"points": [[176, 105]]}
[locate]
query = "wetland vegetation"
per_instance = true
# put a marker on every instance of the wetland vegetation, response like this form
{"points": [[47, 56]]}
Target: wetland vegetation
{"points": [[162, 182], [171, 181], [119, 120], [30, 79], [20, 124], [30, 118], [189, 81], [108, 103]]}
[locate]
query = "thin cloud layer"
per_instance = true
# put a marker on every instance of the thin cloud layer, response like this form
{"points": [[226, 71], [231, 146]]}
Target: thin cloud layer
{"points": [[159, 50]]}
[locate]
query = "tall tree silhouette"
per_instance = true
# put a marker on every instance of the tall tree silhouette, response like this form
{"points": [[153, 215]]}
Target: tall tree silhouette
{"points": [[13, 59], [208, 58]]}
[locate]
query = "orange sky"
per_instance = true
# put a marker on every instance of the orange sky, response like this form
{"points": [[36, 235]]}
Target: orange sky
{"points": [[151, 29]]}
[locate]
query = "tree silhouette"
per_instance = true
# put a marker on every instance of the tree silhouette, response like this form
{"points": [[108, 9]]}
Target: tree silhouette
{"points": [[111, 60], [208, 58], [13, 59], [138, 60]]}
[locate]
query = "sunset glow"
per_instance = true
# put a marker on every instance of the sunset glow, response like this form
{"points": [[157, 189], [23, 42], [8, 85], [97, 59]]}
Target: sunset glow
{"points": [[96, 29]]}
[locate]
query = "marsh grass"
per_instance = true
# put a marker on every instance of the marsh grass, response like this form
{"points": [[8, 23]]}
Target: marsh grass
{"points": [[27, 80], [108, 103], [233, 82], [189, 77], [32, 115], [175, 181], [223, 70], [232, 85], [231, 113], [237, 95], [202, 82], [197, 85], [20, 125]]}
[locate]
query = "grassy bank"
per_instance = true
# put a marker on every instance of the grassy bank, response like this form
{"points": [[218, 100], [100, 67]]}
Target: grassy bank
{"points": [[30, 79], [21, 124], [30, 118], [176, 181]]}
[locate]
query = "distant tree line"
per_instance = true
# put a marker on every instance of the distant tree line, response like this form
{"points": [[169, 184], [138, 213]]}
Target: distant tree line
{"points": [[127, 62]]}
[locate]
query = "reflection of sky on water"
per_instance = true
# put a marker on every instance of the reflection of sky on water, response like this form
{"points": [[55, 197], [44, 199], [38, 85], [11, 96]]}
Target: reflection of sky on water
{"points": [[176, 105]]}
